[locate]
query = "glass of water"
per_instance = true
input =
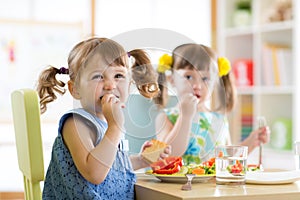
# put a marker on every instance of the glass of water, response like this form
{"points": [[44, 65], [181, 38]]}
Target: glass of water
{"points": [[231, 165]]}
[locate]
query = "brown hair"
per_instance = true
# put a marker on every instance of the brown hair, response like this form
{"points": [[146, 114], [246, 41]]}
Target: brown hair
{"points": [[112, 53], [200, 57]]}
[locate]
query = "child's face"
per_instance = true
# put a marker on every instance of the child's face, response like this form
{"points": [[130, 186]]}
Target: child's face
{"points": [[187, 81], [97, 79]]}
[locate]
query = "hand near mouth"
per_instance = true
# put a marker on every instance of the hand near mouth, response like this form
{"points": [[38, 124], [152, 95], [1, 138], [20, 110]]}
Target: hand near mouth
{"points": [[111, 108], [188, 104]]}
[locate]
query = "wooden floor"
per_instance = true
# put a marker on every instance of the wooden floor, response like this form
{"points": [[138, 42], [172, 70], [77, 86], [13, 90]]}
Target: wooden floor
{"points": [[11, 195]]}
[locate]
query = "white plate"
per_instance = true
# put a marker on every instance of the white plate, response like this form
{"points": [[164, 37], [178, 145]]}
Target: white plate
{"points": [[283, 177], [182, 178]]}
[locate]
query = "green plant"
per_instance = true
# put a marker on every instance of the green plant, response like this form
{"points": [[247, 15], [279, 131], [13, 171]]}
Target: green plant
{"points": [[243, 5]]}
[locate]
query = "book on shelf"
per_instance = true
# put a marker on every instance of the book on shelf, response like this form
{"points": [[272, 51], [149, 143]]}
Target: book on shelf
{"points": [[246, 118], [247, 124], [276, 65], [243, 72]]}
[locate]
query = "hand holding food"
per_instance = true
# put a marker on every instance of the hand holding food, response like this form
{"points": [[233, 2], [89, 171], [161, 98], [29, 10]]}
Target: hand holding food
{"points": [[152, 153]]}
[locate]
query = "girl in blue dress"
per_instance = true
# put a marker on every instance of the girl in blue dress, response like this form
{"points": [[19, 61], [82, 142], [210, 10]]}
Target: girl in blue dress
{"points": [[204, 87], [89, 156]]}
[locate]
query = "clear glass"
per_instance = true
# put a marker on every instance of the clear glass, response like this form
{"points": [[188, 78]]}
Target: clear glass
{"points": [[231, 163]]}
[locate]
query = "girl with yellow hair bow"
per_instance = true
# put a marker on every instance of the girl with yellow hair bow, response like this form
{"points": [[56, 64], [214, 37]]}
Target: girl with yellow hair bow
{"points": [[205, 92]]}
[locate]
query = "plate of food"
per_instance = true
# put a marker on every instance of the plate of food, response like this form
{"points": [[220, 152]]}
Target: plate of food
{"points": [[268, 178], [172, 169]]}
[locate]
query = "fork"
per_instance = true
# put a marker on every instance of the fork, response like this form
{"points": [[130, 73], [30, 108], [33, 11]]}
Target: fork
{"points": [[188, 185], [261, 123]]}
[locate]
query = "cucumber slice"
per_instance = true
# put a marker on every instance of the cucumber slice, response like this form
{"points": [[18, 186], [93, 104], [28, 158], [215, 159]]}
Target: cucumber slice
{"points": [[183, 170]]}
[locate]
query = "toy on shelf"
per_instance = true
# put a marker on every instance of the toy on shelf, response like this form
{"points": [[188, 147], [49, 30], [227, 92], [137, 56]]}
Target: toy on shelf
{"points": [[281, 10]]}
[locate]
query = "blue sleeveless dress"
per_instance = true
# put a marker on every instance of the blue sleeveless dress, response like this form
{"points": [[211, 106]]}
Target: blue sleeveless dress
{"points": [[63, 180], [210, 129]]}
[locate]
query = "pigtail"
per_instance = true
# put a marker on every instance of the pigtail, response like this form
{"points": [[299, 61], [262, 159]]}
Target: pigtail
{"points": [[165, 64], [162, 99], [143, 74], [48, 85], [230, 92], [224, 67]]}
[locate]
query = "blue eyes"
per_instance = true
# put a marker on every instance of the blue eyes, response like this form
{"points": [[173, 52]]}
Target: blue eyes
{"points": [[204, 79], [97, 77], [100, 77]]}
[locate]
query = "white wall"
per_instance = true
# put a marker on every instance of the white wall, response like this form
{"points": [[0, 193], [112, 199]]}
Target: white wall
{"points": [[189, 18]]}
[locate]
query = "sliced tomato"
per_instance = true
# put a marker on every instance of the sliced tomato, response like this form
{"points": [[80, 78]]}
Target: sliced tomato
{"points": [[209, 163], [212, 161], [236, 170], [221, 154]]}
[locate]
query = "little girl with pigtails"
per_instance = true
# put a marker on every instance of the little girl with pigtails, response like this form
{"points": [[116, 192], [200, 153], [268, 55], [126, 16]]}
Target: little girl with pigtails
{"points": [[89, 155], [205, 91]]}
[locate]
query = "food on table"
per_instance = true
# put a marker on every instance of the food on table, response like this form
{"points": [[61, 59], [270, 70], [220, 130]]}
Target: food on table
{"points": [[236, 169], [198, 171], [169, 165], [174, 166], [253, 167], [152, 153]]}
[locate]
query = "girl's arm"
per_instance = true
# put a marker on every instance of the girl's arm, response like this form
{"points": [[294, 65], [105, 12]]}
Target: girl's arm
{"points": [[177, 136], [93, 162], [256, 137]]}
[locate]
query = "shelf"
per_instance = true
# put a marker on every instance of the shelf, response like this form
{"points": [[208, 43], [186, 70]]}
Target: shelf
{"points": [[277, 26], [269, 27], [239, 31], [265, 90], [264, 55]]}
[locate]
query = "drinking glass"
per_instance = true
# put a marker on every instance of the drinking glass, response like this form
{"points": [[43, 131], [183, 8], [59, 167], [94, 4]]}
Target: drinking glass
{"points": [[231, 165]]}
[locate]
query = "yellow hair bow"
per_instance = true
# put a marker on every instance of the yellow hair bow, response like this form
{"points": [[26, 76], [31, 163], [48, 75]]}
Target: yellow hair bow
{"points": [[164, 64], [224, 66]]}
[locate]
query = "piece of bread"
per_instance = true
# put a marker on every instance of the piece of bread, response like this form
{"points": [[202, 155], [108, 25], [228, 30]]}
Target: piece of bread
{"points": [[152, 153]]}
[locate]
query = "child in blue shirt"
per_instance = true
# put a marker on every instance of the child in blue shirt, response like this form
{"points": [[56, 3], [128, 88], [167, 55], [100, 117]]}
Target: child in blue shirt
{"points": [[89, 156]]}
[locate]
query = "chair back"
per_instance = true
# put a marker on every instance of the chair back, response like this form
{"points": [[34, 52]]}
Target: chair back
{"points": [[27, 125]]}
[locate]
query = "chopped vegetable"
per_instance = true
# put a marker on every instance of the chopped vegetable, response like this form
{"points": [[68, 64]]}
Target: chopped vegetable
{"points": [[237, 168], [183, 170], [166, 163], [198, 171], [252, 167], [172, 170], [173, 165], [169, 165]]}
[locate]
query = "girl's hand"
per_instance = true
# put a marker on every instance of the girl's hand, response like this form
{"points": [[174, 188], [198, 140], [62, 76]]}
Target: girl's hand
{"points": [[264, 135], [256, 137], [188, 105], [167, 151], [111, 108]]}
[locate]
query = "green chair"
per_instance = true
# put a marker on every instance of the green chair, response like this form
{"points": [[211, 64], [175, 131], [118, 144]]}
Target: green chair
{"points": [[27, 125]]}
